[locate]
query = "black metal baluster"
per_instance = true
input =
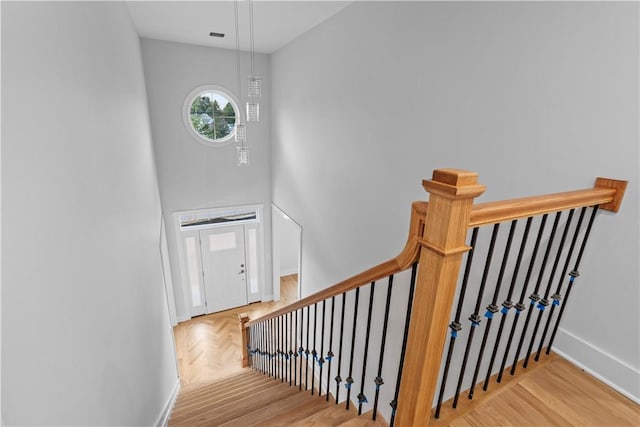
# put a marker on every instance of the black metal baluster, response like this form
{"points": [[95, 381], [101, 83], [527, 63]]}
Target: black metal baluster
{"points": [[274, 346], [544, 302], [306, 353], [407, 320], [338, 377], [261, 345], [475, 317], [383, 340], [520, 307], [507, 304], [330, 352], [253, 331], [556, 296], [284, 354], [534, 297], [250, 346], [314, 353], [279, 348], [455, 326], [349, 380], [301, 348], [265, 339], [279, 353], [285, 345], [256, 349], [493, 307], [294, 347], [573, 275], [254, 338], [361, 397], [321, 358], [270, 346], [291, 347]]}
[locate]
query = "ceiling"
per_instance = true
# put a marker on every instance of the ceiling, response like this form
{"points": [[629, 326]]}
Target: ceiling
{"points": [[276, 23]]}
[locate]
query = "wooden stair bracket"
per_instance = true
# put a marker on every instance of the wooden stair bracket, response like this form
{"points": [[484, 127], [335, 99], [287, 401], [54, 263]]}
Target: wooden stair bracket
{"points": [[443, 243]]}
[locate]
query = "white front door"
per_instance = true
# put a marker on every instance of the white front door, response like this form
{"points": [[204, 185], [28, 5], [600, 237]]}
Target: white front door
{"points": [[224, 267]]}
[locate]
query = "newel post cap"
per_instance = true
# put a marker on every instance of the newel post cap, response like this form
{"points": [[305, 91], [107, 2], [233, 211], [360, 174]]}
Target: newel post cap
{"points": [[454, 183]]}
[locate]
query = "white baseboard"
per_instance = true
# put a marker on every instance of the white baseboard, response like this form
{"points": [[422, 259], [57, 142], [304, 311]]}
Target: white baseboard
{"points": [[288, 271], [163, 418], [615, 373], [183, 318]]}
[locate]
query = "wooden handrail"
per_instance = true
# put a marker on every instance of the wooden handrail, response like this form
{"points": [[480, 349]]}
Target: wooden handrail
{"points": [[404, 260], [607, 193]]}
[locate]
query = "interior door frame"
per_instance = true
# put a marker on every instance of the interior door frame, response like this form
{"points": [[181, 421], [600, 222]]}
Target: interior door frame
{"points": [[218, 211]]}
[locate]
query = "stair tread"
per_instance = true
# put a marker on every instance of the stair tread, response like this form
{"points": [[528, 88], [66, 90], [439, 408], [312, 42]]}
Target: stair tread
{"points": [[251, 399], [236, 378], [281, 413], [219, 393], [216, 413], [365, 420], [334, 415]]}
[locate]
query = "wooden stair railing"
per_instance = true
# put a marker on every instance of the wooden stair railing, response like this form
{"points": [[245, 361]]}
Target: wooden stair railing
{"points": [[436, 245]]}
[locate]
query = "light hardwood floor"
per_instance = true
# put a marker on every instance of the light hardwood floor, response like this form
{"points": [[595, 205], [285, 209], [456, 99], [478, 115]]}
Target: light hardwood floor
{"points": [[551, 393], [208, 347], [554, 393]]}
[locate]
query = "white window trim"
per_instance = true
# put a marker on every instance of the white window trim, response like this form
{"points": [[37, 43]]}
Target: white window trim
{"points": [[222, 142]]}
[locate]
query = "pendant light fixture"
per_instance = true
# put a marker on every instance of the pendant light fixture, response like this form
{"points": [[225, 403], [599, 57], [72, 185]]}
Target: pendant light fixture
{"points": [[255, 82], [241, 128]]}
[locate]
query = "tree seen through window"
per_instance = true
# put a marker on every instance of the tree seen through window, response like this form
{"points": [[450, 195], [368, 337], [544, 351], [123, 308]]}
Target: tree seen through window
{"points": [[209, 119]]}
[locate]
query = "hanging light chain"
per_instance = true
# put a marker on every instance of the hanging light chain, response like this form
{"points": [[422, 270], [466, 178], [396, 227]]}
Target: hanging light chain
{"points": [[242, 152], [251, 39]]}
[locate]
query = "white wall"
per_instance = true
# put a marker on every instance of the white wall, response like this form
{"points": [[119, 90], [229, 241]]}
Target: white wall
{"points": [[289, 245], [286, 245], [190, 174], [536, 97], [85, 325]]}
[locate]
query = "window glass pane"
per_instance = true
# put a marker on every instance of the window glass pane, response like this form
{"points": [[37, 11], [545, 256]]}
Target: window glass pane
{"points": [[222, 242], [253, 260], [212, 115], [209, 218], [194, 271]]}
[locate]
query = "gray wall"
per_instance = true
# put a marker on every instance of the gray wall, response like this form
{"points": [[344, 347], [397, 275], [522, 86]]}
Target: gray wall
{"points": [[536, 97], [86, 338], [190, 174]]}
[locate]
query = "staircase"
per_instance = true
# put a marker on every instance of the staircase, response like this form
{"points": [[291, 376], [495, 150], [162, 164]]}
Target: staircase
{"points": [[319, 331], [253, 399]]}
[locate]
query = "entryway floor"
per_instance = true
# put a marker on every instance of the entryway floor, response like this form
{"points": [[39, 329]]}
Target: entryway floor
{"points": [[209, 347]]}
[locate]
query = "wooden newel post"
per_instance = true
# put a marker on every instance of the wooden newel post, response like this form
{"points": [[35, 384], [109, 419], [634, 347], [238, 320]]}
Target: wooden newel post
{"points": [[244, 331], [443, 243]]}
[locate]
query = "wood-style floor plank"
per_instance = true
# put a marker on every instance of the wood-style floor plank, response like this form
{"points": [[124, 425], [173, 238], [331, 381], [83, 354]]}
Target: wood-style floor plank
{"points": [[209, 347], [556, 393]]}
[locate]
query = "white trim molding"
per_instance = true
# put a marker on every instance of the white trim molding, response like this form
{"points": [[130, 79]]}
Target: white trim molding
{"points": [[607, 368], [163, 418]]}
